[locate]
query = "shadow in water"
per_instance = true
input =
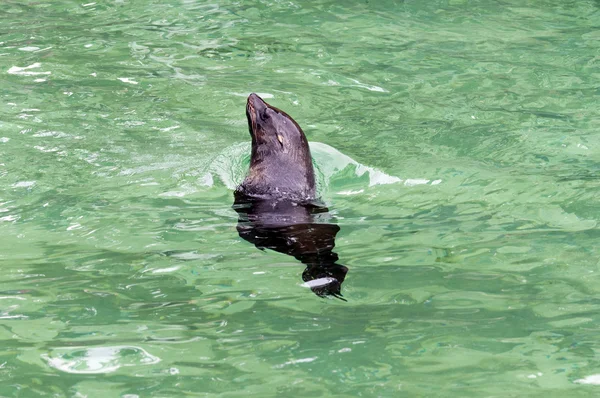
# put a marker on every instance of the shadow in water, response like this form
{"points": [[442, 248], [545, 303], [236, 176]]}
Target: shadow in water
{"points": [[299, 230]]}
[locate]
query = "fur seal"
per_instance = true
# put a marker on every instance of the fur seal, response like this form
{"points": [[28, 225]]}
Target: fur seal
{"points": [[276, 204], [280, 163]]}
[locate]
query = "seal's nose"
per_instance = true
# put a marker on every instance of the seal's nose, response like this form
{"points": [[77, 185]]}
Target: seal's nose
{"points": [[254, 101], [255, 107]]}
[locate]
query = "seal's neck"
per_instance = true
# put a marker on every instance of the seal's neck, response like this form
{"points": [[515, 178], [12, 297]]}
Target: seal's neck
{"points": [[274, 178]]}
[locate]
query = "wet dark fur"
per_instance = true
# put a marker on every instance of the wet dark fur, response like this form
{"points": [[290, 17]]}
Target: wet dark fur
{"points": [[276, 202], [281, 164]]}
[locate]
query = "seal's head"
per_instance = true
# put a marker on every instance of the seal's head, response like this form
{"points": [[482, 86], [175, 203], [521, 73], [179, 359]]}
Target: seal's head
{"points": [[281, 162]]}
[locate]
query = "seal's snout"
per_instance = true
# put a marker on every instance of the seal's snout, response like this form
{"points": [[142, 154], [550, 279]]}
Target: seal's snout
{"points": [[255, 103], [256, 111], [253, 97]]}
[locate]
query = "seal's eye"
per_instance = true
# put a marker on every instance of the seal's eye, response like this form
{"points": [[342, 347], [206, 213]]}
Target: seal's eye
{"points": [[265, 115]]}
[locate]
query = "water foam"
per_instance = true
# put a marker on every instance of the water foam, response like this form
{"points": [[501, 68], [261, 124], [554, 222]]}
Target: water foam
{"points": [[231, 165]]}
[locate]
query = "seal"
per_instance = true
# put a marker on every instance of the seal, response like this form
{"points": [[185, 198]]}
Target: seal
{"points": [[280, 163], [276, 204]]}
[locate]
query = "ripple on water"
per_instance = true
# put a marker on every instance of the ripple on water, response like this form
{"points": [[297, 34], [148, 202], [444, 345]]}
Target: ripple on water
{"points": [[97, 360], [27, 70], [333, 169]]}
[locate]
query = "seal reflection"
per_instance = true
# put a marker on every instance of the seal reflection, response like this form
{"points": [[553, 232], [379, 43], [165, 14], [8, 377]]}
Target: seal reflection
{"points": [[299, 230]]}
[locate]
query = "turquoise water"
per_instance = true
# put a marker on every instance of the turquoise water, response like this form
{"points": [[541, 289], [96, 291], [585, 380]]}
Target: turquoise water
{"points": [[456, 146]]}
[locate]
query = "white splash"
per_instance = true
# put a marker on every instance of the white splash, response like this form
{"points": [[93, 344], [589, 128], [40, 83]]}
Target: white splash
{"points": [[166, 129], [368, 86], [295, 361], [74, 226], [206, 180], [127, 80], [24, 184], [329, 161], [10, 218], [411, 182], [593, 380], [14, 317], [351, 192], [26, 70], [262, 95], [165, 270]]}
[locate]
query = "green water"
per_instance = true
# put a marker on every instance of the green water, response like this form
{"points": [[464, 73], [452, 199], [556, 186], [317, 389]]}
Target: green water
{"points": [[457, 147]]}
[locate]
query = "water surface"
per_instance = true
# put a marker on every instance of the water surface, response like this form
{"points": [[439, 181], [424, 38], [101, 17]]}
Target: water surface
{"points": [[456, 146]]}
